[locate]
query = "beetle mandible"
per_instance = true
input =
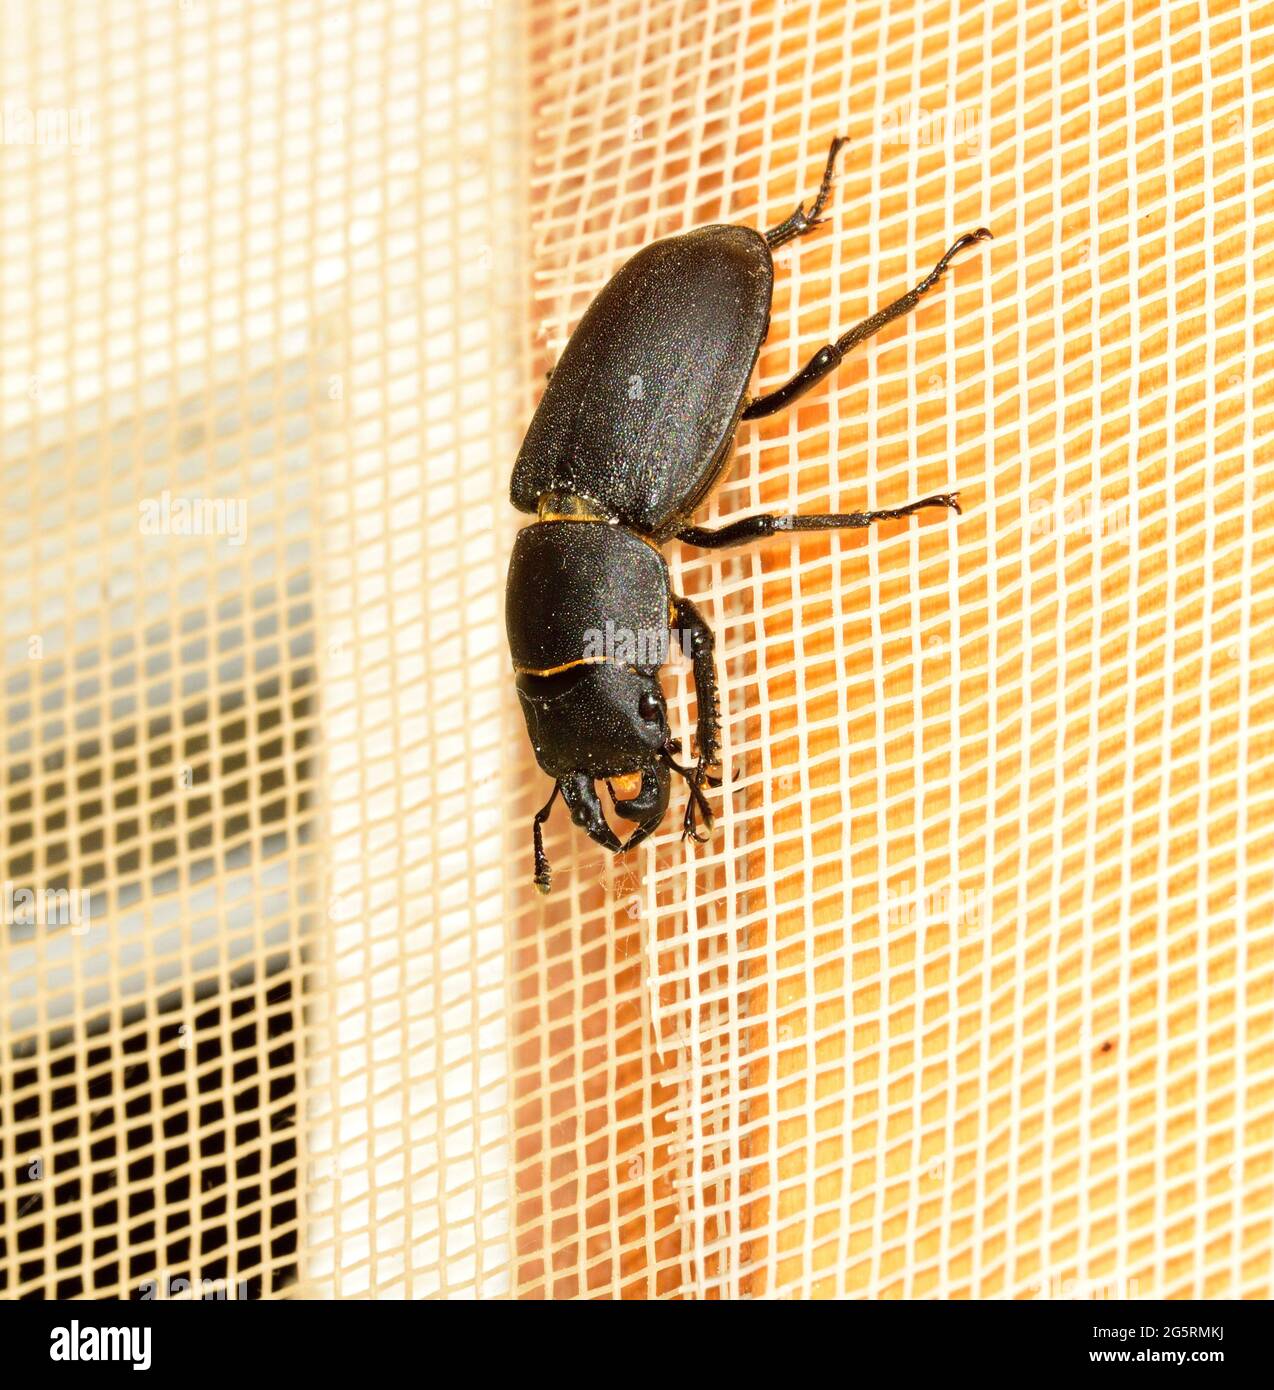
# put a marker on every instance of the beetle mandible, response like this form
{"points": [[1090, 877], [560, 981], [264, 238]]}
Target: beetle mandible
{"points": [[634, 430]]}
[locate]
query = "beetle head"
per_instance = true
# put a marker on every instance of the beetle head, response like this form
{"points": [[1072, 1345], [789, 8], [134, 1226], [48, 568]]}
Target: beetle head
{"points": [[600, 718]]}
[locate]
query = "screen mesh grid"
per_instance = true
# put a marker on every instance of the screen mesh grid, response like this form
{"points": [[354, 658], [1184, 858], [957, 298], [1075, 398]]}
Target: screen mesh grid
{"points": [[972, 992]]}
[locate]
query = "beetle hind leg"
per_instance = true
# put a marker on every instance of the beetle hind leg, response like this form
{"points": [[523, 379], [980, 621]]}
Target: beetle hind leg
{"points": [[801, 221]]}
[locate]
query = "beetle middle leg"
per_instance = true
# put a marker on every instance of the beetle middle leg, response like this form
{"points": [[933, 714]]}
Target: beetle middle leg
{"points": [[801, 221], [828, 358], [757, 528]]}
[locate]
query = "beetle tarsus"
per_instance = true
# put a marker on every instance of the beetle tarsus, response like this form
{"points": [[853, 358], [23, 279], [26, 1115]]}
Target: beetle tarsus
{"points": [[958, 245], [697, 803], [696, 778], [950, 500], [848, 520], [801, 221]]}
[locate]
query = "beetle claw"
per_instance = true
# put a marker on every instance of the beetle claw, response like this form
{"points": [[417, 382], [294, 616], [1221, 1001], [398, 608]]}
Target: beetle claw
{"points": [[643, 832], [696, 777], [581, 799], [945, 499], [690, 827]]}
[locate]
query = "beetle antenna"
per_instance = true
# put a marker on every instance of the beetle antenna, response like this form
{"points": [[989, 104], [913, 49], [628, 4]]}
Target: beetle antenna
{"points": [[543, 874]]}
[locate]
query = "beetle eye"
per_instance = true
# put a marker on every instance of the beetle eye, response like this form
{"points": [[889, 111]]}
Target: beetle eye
{"points": [[648, 706]]}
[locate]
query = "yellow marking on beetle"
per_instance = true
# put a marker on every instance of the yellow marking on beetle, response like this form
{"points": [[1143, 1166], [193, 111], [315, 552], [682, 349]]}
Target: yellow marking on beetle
{"points": [[568, 506], [563, 506], [568, 665], [626, 786], [603, 521], [557, 670]]}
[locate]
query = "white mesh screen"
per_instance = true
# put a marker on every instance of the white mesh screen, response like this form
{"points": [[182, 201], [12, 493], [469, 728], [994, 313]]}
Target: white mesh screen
{"points": [[970, 994]]}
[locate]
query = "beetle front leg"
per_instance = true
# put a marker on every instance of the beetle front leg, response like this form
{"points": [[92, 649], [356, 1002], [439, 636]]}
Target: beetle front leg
{"points": [[827, 359], [698, 636]]}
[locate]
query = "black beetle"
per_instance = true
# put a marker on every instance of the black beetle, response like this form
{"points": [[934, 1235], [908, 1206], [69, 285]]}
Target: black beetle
{"points": [[634, 429]]}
